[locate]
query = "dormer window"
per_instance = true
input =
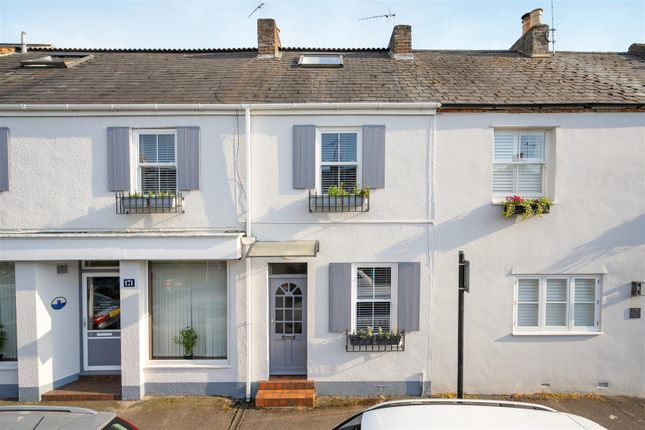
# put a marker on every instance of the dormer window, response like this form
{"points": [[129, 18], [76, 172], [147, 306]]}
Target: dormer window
{"points": [[320, 60], [58, 60]]}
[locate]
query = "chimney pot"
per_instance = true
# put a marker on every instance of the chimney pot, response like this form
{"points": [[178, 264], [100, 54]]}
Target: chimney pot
{"points": [[23, 42], [536, 17], [268, 38], [526, 22], [400, 45]]}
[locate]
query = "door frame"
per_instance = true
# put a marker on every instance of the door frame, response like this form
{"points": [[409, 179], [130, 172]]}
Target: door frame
{"points": [[84, 330], [305, 278]]}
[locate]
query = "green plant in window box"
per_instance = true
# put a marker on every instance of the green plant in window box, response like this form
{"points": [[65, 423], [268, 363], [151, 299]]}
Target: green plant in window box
{"points": [[135, 201], [338, 199], [3, 340], [361, 192], [162, 199], [517, 205], [187, 339]]}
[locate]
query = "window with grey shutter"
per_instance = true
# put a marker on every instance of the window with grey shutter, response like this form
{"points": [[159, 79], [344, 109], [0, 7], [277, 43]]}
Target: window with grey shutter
{"points": [[373, 161], [118, 140], [4, 159], [373, 298], [340, 297], [157, 161], [304, 156], [188, 158], [409, 296]]}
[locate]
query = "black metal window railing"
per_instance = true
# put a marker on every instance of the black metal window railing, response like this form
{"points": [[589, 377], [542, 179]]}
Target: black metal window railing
{"points": [[346, 203], [149, 203], [375, 343]]}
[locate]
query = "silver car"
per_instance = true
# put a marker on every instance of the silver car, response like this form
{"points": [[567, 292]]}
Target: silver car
{"points": [[59, 418]]}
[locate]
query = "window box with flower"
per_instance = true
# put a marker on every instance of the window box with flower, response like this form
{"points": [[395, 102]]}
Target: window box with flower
{"points": [[338, 199], [527, 207], [369, 341]]}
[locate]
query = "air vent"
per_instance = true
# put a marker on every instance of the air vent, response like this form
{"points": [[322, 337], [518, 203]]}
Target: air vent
{"points": [[57, 60], [603, 385], [321, 60], [62, 269]]}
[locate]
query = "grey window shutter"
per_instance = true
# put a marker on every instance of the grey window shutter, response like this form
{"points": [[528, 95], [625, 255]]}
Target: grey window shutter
{"points": [[409, 296], [188, 158], [373, 163], [304, 156], [340, 297], [4, 159], [118, 139]]}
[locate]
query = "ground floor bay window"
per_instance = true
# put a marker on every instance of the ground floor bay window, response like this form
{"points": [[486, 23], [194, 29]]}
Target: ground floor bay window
{"points": [[8, 345], [185, 295]]}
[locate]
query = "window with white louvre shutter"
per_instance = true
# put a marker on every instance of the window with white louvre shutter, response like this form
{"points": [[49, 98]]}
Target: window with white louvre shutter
{"points": [[156, 160], [584, 300], [374, 297], [528, 300], [557, 304], [518, 163]]}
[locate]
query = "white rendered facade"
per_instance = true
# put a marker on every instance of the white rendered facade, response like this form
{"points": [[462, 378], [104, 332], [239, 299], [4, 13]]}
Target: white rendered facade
{"points": [[437, 200]]}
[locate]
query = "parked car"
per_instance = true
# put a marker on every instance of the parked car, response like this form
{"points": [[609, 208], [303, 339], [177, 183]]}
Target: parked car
{"points": [[59, 418], [464, 414]]}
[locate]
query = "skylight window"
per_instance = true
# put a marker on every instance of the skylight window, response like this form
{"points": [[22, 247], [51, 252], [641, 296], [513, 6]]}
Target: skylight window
{"points": [[58, 60], [321, 60]]}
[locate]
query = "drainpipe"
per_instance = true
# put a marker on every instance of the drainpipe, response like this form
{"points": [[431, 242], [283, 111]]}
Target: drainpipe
{"points": [[23, 42], [249, 200]]}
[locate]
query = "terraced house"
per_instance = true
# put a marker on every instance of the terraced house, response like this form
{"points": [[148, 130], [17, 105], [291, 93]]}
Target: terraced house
{"points": [[300, 210]]}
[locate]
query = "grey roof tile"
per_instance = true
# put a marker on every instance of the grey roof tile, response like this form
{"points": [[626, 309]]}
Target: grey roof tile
{"points": [[369, 75]]}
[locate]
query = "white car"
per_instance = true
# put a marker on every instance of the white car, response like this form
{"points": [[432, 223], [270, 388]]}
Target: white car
{"points": [[435, 414]]}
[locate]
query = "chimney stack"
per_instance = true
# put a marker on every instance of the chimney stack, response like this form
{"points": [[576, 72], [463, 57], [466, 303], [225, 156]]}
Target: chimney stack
{"points": [[23, 42], [534, 41], [268, 39], [401, 43]]}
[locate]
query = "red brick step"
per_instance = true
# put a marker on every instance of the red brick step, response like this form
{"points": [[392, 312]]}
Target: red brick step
{"points": [[284, 398]]}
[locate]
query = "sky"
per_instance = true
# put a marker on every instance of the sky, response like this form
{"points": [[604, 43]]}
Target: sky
{"points": [[582, 25]]}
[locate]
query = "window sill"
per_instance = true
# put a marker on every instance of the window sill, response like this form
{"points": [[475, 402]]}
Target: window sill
{"points": [[187, 364], [8, 365], [557, 333]]}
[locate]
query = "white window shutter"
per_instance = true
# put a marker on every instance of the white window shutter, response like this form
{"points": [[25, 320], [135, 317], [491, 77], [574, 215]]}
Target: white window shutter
{"points": [[503, 178], [505, 146], [529, 179], [556, 303], [584, 302], [528, 298]]}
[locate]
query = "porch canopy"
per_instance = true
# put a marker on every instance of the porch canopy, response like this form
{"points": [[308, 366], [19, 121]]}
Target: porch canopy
{"points": [[286, 248]]}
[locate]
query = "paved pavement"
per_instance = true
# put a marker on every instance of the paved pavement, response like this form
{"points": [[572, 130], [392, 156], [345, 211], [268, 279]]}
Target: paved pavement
{"points": [[158, 413]]}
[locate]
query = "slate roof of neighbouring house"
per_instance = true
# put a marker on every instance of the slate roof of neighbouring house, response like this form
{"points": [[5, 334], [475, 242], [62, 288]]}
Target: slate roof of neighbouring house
{"points": [[454, 78]]}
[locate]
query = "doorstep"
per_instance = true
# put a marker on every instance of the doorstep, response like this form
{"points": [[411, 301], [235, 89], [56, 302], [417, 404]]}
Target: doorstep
{"points": [[87, 387], [285, 391]]}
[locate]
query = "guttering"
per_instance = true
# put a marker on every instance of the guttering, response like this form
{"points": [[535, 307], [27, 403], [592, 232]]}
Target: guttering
{"points": [[206, 107], [540, 106], [249, 232]]}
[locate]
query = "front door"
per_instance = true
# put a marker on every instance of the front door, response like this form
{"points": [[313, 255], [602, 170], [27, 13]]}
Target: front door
{"points": [[288, 320], [101, 322]]}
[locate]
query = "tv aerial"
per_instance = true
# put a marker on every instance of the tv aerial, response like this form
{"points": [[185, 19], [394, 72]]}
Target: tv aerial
{"points": [[388, 15], [257, 8]]}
